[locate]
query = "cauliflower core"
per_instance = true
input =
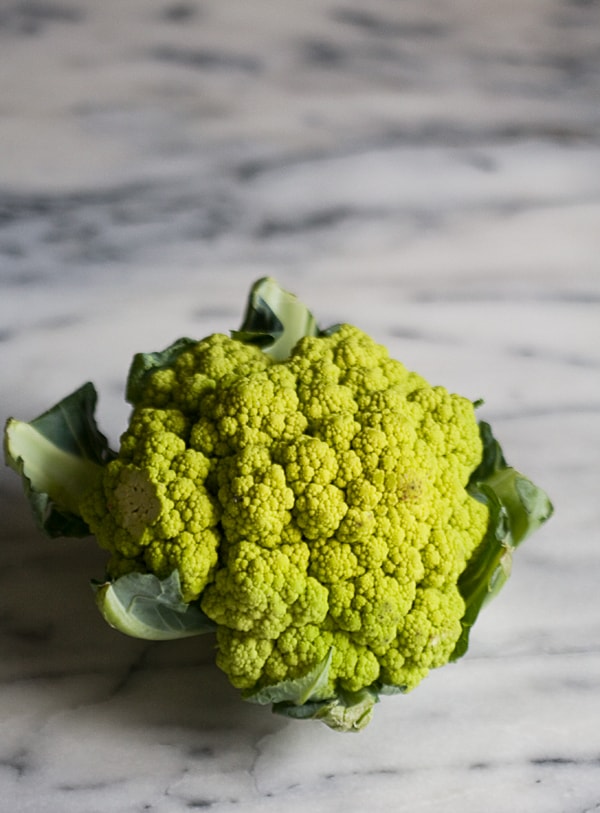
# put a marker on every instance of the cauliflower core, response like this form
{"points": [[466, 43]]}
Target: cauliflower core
{"points": [[309, 505]]}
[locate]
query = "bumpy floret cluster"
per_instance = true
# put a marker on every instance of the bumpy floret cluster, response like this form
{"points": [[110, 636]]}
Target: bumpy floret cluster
{"points": [[313, 505]]}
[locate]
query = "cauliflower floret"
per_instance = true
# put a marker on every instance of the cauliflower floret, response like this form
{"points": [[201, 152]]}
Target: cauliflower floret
{"points": [[190, 375], [307, 460], [256, 591], [255, 497], [426, 639], [333, 561], [242, 655], [370, 608], [154, 511], [194, 555]]}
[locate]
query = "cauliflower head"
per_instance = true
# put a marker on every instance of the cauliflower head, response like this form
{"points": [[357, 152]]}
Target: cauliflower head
{"points": [[309, 505]]}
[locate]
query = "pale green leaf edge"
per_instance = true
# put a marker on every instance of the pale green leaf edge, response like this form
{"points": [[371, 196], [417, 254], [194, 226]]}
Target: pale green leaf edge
{"points": [[143, 606]]}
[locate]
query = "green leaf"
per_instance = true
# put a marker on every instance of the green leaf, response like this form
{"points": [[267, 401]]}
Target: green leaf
{"points": [[145, 363], [275, 320], [347, 712], [389, 689], [143, 606], [59, 456], [517, 508], [298, 691], [302, 699]]}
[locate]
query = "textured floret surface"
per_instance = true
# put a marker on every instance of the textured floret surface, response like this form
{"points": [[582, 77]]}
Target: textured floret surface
{"points": [[312, 505]]}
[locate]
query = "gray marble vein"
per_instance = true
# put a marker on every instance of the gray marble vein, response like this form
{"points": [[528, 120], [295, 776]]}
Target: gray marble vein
{"points": [[428, 171]]}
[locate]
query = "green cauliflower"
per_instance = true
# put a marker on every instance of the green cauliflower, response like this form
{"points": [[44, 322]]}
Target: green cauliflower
{"points": [[334, 518]]}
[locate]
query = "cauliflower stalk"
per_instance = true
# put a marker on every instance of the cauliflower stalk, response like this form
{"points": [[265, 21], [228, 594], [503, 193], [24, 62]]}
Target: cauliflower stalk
{"points": [[333, 518]]}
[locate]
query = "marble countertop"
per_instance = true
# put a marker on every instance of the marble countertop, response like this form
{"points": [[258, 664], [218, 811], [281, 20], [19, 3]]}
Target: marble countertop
{"points": [[428, 171]]}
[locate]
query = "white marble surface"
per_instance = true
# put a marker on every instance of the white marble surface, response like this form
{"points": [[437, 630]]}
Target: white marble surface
{"points": [[430, 171]]}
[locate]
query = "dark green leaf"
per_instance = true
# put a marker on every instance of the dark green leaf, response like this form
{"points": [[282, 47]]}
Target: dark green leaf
{"points": [[59, 455], [303, 699], [275, 320], [517, 507], [298, 691], [347, 712], [387, 689]]}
